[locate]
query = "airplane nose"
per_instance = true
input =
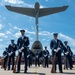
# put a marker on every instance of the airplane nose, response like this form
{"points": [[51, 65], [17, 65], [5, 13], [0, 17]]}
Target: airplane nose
{"points": [[37, 46]]}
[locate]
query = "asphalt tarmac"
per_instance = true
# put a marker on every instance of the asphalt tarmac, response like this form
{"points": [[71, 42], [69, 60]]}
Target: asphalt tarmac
{"points": [[38, 71]]}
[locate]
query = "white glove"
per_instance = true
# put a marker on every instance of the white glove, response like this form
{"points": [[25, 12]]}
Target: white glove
{"points": [[37, 56], [45, 55], [66, 53], [19, 51], [4, 56], [28, 56], [55, 50], [9, 54], [48, 56], [22, 48], [58, 49]]}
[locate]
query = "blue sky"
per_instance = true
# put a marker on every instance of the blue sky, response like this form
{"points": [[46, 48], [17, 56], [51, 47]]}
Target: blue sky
{"points": [[63, 23]]}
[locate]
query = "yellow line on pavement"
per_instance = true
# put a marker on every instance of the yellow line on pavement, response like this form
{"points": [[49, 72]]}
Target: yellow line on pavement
{"points": [[36, 70]]}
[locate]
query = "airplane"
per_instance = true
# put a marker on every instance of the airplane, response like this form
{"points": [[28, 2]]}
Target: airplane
{"points": [[36, 12]]}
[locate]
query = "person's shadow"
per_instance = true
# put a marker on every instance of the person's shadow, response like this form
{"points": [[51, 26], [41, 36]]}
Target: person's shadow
{"points": [[33, 73], [36, 73], [68, 73]]}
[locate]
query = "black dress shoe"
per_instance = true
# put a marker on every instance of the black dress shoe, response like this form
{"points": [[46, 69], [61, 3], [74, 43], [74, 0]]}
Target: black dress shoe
{"points": [[12, 69], [18, 72], [61, 71], [8, 69], [25, 71], [55, 72], [70, 68]]}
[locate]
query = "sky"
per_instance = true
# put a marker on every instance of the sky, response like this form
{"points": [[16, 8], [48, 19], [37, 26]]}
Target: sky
{"points": [[62, 23]]}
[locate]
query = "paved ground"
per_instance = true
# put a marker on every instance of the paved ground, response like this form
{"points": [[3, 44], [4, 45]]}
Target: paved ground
{"points": [[38, 71]]}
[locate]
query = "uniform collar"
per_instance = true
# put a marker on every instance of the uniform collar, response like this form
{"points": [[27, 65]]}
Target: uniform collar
{"points": [[56, 40], [12, 44], [65, 45], [22, 37]]}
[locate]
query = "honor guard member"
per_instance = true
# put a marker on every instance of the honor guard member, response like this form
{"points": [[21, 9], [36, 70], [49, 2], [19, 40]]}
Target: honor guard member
{"points": [[68, 53], [54, 45], [46, 54], [29, 57], [37, 59], [22, 45], [11, 52], [5, 55]]}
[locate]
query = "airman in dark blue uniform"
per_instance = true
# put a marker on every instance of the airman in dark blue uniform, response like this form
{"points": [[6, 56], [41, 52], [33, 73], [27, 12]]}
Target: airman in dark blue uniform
{"points": [[5, 55], [46, 54], [56, 46], [11, 52], [22, 45], [68, 55], [29, 57], [37, 58]]}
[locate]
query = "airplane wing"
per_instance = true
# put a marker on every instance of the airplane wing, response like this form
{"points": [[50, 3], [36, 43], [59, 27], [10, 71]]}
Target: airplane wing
{"points": [[48, 11], [21, 10]]}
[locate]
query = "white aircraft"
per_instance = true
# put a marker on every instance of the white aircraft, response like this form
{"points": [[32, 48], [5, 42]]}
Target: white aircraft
{"points": [[36, 12]]}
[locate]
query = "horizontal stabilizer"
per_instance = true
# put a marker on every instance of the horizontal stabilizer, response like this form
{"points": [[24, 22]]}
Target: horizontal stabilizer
{"points": [[21, 10], [49, 11], [31, 11]]}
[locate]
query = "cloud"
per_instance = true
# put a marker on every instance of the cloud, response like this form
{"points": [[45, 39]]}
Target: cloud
{"points": [[43, 39], [8, 32], [19, 3], [69, 39], [33, 28], [32, 5], [27, 32], [4, 18], [41, 6], [28, 5], [30, 32], [10, 24], [44, 33], [1, 40], [31, 38], [1, 26], [17, 35], [15, 27], [3, 35], [2, 46], [14, 1]]}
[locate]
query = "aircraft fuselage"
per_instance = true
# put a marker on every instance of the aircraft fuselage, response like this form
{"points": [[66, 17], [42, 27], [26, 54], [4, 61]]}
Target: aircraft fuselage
{"points": [[37, 6]]}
